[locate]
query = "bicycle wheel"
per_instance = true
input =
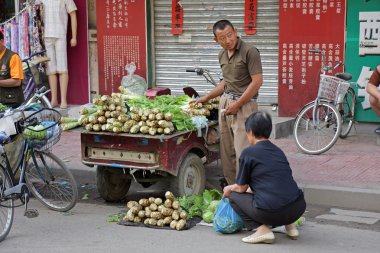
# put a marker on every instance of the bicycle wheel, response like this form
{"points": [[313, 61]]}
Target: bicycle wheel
{"points": [[51, 182], [347, 111], [319, 135], [6, 205]]}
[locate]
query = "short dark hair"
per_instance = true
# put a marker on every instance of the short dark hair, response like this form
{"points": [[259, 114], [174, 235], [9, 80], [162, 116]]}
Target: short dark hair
{"points": [[260, 123], [221, 24], [1, 36]]}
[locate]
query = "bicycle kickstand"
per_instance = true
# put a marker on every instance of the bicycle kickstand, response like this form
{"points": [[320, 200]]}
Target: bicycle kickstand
{"points": [[29, 213]]}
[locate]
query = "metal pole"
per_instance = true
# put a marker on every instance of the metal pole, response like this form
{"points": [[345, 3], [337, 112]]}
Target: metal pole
{"points": [[17, 6]]}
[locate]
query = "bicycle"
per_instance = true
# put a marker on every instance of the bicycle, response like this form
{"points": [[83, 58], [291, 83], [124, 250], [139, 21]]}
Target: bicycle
{"points": [[200, 72], [35, 79], [206, 74], [321, 122], [40, 172]]}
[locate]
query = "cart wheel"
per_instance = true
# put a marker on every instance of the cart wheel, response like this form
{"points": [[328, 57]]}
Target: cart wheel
{"points": [[191, 178], [111, 186]]}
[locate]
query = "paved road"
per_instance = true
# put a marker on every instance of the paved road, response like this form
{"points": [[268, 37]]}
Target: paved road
{"points": [[85, 229]]}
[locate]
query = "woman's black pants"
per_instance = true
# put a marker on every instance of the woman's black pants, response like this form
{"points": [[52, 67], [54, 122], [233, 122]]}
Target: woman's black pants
{"points": [[253, 217]]}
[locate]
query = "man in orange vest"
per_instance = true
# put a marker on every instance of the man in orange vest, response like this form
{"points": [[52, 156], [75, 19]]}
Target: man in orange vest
{"points": [[11, 74]]}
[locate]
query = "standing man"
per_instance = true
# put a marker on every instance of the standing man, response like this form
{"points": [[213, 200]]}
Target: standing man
{"points": [[11, 74], [374, 92], [242, 72], [55, 22]]}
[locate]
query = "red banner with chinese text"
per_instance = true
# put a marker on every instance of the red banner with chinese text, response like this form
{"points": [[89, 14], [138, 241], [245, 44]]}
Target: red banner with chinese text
{"points": [[177, 17], [121, 29], [250, 14], [306, 25]]}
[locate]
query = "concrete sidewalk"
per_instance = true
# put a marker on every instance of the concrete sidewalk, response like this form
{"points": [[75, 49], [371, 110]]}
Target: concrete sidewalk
{"points": [[346, 176]]}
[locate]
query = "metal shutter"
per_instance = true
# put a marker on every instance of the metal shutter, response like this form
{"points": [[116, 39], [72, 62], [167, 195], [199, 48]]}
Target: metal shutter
{"points": [[196, 46]]}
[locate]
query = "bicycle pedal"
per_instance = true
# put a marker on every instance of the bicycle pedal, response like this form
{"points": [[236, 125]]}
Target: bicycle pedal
{"points": [[31, 213]]}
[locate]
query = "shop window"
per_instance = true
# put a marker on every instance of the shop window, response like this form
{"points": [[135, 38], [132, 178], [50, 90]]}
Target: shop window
{"points": [[8, 8]]}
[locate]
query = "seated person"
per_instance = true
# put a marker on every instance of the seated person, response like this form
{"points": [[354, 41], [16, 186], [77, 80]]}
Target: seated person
{"points": [[265, 193], [374, 93], [11, 93]]}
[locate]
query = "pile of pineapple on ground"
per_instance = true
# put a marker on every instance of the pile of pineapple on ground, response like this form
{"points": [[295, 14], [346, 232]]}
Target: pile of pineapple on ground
{"points": [[171, 212], [166, 114]]}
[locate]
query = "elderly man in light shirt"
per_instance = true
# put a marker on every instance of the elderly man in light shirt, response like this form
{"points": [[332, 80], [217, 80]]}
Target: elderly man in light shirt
{"points": [[56, 14]]}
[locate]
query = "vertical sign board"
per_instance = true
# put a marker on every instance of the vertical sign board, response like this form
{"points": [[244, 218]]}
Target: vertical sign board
{"points": [[250, 13], [363, 51], [121, 40], [305, 25], [77, 59], [177, 17]]}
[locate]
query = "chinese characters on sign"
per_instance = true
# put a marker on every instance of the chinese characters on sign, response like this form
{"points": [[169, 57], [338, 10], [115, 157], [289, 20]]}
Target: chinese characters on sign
{"points": [[177, 17], [119, 51], [305, 25], [369, 37], [121, 40], [297, 54], [315, 8], [117, 13], [250, 16]]}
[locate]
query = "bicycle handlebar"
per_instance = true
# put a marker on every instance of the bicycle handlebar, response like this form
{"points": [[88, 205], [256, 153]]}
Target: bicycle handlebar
{"points": [[325, 67], [315, 51], [199, 71], [203, 72], [41, 90], [32, 55]]}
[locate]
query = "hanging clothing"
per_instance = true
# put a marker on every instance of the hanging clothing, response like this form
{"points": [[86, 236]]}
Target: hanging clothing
{"points": [[23, 49], [14, 36], [7, 35], [36, 31]]}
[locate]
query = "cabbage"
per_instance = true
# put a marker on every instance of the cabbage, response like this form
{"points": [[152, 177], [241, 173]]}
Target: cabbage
{"points": [[208, 216], [213, 205]]}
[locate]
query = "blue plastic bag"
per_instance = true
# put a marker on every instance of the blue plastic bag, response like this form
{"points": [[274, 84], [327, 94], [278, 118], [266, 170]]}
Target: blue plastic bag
{"points": [[226, 220]]}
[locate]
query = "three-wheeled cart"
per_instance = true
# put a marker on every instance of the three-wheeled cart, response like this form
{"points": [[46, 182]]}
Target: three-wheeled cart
{"points": [[178, 158]]}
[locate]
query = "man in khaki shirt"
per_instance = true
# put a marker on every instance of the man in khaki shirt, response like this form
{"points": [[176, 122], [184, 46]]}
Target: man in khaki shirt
{"points": [[242, 72]]}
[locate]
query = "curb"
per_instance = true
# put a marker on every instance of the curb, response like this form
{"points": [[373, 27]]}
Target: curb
{"points": [[343, 197]]}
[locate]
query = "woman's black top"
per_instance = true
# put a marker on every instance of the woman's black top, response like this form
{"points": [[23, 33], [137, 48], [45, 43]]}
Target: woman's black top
{"points": [[265, 168]]}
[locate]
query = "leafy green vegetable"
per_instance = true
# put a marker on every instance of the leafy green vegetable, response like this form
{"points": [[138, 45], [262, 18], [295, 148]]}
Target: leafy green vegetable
{"points": [[195, 211], [167, 103], [198, 205], [3, 107], [115, 217], [208, 216], [213, 205]]}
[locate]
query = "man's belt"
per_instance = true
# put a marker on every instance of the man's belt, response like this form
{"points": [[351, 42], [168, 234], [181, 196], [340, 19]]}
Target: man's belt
{"points": [[236, 97]]}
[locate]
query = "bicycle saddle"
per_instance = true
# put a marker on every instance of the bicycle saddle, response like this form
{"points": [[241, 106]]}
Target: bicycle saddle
{"points": [[344, 76]]}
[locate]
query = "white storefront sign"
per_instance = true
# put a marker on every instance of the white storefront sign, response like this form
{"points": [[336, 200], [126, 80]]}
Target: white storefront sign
{"points": [[369, 34]]}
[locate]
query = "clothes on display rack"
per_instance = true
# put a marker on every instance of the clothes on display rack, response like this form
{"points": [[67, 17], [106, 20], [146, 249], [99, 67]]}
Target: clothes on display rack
{"points": [[23, 34]]}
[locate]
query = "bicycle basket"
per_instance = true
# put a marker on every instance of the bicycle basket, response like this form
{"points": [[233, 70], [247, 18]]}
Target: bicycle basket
{"points": [[332, 88], [42, 129]]}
